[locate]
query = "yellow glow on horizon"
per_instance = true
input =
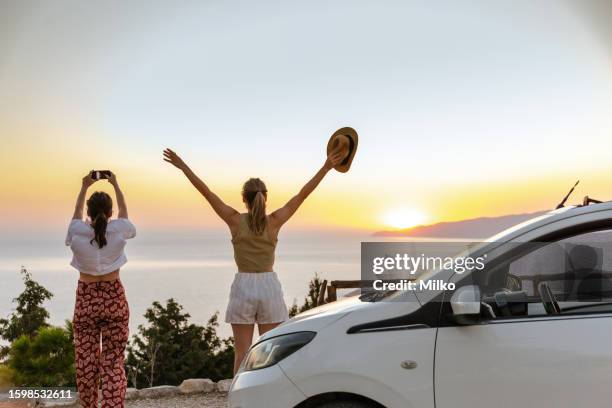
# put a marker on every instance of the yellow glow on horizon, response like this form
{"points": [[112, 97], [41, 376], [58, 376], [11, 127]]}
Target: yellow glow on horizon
{"points": [[41, 190], [171, 201], [403, 217]]}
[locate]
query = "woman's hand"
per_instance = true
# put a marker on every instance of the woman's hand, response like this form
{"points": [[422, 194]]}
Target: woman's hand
{"points": [[80, 202], [123, 212], [282, 215], [334, 158], [174, 159], [224, 211], [88, 181], [113, 180]]}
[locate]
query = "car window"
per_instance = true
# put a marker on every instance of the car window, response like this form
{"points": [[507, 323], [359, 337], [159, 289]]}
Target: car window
{"points": [[576, 272]]}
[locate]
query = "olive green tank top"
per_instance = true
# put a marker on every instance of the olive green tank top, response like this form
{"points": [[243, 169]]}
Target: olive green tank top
{"points": [[253, 253]]}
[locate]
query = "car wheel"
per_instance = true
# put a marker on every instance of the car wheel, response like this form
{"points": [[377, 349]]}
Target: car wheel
{"points": [[346, 404]]}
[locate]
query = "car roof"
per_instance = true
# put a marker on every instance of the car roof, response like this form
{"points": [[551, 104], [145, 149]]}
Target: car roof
{"points": [[564, 213]]}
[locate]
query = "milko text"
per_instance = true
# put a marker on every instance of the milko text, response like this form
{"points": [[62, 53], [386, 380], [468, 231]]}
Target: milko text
{"points": [[404, 284]]}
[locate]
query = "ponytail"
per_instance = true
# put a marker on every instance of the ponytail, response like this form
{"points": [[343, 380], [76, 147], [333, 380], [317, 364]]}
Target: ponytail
{"points": [[255, 194], [99, 225], [99, 209]]}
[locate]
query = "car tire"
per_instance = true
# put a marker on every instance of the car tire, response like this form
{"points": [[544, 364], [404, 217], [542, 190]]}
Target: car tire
{"points": [[345, 404]]}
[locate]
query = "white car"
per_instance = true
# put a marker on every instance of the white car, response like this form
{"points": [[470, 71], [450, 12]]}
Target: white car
{"points": [[450, 349]]}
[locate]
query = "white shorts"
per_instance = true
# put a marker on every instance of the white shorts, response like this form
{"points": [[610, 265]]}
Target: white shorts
{"points": [[256, 297]]}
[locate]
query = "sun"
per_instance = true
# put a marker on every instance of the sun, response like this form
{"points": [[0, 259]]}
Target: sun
{"points": [[401, 218]]}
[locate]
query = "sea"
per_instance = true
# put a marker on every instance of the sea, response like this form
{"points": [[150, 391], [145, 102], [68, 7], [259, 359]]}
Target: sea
{"points": [[195, 267]]}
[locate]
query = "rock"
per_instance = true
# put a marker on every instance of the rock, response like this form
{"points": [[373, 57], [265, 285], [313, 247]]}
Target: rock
{"points": [[197, 385], [132, 394], [224, 385], [72, 402], [58, 404], [160, 391]]}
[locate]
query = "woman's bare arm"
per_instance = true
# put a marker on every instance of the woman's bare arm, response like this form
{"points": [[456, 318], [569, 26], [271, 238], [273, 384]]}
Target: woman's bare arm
{"points": [[123, 212], [224, 211], [283, 214], [80, 202]]}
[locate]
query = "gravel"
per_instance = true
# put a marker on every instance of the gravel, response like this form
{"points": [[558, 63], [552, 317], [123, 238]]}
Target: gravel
{"points": [[197, 400], [209, 400]]}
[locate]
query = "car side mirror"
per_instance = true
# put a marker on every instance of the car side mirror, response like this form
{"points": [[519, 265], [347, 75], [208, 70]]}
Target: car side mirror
{"points": [[465, 303]]}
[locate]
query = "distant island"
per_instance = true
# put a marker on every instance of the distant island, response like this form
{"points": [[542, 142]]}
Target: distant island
{"points": [[482, 227]]}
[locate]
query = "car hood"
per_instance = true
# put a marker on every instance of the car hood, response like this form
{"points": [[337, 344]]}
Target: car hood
{"points": [[319, 317]]}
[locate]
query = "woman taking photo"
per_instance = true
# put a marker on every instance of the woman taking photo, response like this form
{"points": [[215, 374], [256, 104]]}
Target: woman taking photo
{"points": [[256, 296], [101, 311]]}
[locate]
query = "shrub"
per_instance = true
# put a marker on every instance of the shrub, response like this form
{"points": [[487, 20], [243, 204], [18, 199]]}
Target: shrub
{"points": [[170, 349], [29, 315], [45, 360], [6, 377], [310, 301]]}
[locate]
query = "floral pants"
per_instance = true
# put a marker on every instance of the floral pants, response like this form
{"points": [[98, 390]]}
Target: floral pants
{"points": [[100, 325]]}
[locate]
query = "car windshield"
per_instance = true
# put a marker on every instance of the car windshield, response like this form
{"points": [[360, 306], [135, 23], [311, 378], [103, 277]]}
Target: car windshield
{"points": [[501, 236], [473, 250]]}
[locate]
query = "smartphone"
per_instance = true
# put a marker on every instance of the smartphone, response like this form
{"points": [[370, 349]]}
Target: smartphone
{"points": [[100, 174]]}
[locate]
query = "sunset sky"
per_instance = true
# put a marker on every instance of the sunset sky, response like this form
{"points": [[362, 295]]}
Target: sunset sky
{"points": [[465, 109]]}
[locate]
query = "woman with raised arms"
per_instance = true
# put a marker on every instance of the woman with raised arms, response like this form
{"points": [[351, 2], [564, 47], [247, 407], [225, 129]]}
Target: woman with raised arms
{"points": [[101, 312], [256, 296]]}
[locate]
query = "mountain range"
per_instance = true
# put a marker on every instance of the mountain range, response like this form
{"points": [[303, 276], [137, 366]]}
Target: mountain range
{"points": [[481, 228]]}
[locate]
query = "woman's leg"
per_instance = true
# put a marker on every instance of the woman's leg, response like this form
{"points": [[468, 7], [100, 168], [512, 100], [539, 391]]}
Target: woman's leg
{"points": [[114, 382], [272, 307], [265, 327], [86, 352], [114, 339], [243, 337], [86, 348]]}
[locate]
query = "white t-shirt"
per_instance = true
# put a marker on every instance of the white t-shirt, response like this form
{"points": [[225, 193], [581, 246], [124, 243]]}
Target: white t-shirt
{"points": [[88, 257]]}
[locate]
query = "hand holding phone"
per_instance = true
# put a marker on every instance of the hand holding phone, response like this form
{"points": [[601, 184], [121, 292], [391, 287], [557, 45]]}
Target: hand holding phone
{"points": [[100, 174]]}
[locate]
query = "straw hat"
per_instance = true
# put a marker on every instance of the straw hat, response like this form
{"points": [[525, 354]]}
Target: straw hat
{"points": [[347, 139]]}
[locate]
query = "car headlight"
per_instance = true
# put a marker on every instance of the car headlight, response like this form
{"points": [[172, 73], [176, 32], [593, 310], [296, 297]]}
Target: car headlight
{"points": [[273, 350]]}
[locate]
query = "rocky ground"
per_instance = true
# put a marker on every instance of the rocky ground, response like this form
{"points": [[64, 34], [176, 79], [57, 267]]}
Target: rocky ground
{"points": [[196, 392], [210, 400]]}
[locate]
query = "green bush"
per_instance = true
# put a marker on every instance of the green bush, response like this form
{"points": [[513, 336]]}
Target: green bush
{"points": [[171, 349], [6, 377], [38, 355], [45, 360], [167, 351], [29, 315], [314, 289]]}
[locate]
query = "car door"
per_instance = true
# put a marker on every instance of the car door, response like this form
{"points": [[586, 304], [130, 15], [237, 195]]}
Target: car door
{"points": [[537, 359]]}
